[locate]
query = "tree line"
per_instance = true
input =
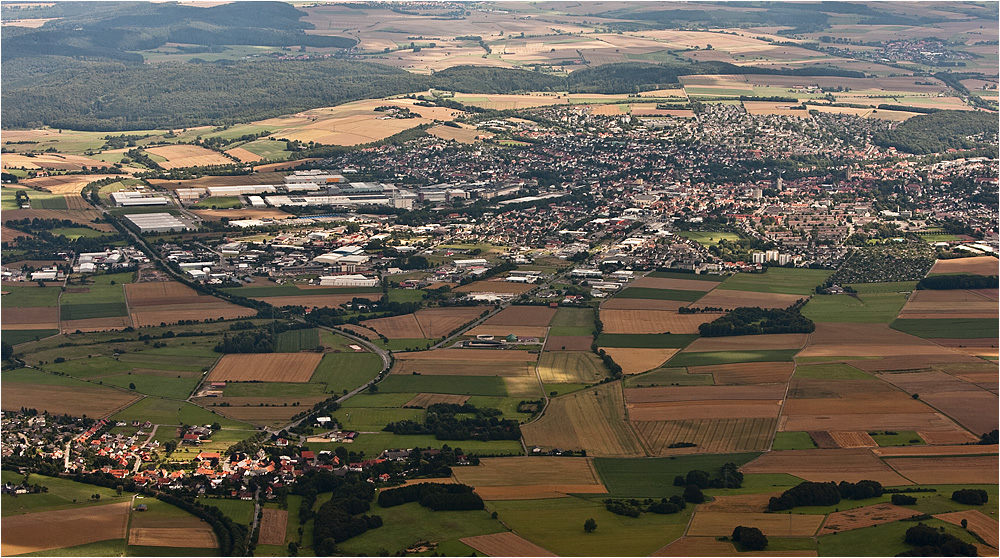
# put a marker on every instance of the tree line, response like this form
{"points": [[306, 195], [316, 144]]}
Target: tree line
{"points": [[435, 496], [824, 494], [961, 281], [442, 422]]}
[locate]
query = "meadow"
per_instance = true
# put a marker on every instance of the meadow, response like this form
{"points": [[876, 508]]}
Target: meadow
{"points": [[659, 294], [730, 357], [778, 280], [950, 328]]}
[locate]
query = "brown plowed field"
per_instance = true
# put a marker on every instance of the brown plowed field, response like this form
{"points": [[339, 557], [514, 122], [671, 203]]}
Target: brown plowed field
{"points": [[93, 401], [463, 368], [272, 367], [648, 304], [180, 538], [676, 284], [169, 314], [499, 287], [569, 343], [695, 410], [967, 343], [703, 393], [953, 356], [522, 315], [811, 420], [637, 361], [14, 327], [34, 532], [479, 355], [592, 419], [438, 322], [812, 388], [96, 324], [272, 526], [531, 478], [717, 524], [571, 366], [747, 342], [650, 321], [505, 544], [309, 301], [246, 157], [710, 435], [504, 331], [951, 304], [178, 156], [864, 517], [424, 400], [397, 327], [977, 411], [823, 465], [823, 439], [924, 451], [734, 299], [953, 436], [948, 470], [979, 523], [853, 439], [878, 340], [750, 373], [42, 316], [11, 235], [979, 265], [164, 293]]}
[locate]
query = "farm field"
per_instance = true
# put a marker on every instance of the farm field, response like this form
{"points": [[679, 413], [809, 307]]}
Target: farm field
{"points": [[729, 299], [637, 361], [653, 477], [648, 293], [950, 469], [777, 280], [710, 435], [928, 304], [454, 385], [650, 321], [273, 367], [59, 395], [863, 517], [862, 308], [272, 526], [179, 156], [645, 341], [823, 465], [619, 303], [571, 367], [505, 544], [296, 340], [978, 265], [526, 478], [574, 343], [950, 328], [162, 411], [522, 315], [591, 419], [879, 540], [778, 525], [671, 283], [775, 342], [63, 528], [706, 358], [340, 371]]}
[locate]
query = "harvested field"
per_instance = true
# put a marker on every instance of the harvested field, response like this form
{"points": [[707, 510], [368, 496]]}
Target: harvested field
{"points": [[522, 386], [680, 410], [522, 316], [739, 503], [246, 157], [266, 367], [677, 284], [571, 366], [11, 235], [823, 439], [748, 342], [182, 538], [864, 517], [637, 361], [397, 327], [95, 324], [50, 530], [163, 293], [642, 304], [218, 214], [784, 108], [463, 368], [704, 393], [979, 265], [969, 405], [734, 299], [749, 373], [531, 478], [712, 435], [504, 544], [479, 355], [812, 388], [717, 524], [591, 419], [875, 340], [504, 331], [824, 465], [57, 161], [651, 321], [438, 322], [465, 134], [309, 301], [953, 436], [979, 523], [951, 304], [360, 331], [272, 526], [924, 451], [93, 401], [876, 413], [853, 439], [169, 314], [499, 287], [179, 156], [39, 318], [424, 400], [568, 343], [980, 469]]}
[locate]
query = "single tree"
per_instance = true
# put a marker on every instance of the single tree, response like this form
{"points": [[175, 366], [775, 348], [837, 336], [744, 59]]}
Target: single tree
{"points": [[590, 525]]}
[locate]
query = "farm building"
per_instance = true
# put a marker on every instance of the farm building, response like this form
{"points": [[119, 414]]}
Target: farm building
{"points": [[348, 281], [132, 199], [157, 222]]}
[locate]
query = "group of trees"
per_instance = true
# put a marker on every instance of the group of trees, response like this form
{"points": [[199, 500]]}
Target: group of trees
{"points": [[960, 281], [931, 542], [634, 508], [435, 496], [941, 131], [824, 494], [756, 321], [728, 476], [970, 496], [750, 537], [441, 421]]}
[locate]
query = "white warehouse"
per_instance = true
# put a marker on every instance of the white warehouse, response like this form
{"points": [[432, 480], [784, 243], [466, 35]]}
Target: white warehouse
{"points": [[348, 281]]}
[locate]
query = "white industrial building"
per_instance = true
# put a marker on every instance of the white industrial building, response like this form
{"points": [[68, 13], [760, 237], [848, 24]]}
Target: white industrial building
{"points": [[470, 263], [256, 201], [223, 191], [313, 177], [157, 222], [348, 281], [124, 198]]}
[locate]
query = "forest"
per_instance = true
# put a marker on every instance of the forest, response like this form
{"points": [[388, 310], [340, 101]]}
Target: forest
{"points": [[938, 132], [757, 321]]}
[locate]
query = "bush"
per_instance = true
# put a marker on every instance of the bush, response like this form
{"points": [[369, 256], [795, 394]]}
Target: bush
{"points": [[693, 494], [750, 537], [970, 496]]}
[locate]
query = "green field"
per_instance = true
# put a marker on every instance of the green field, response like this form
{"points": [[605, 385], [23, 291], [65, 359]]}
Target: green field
{"points": [[374, 419], [62, 494], [406, 524], [572, 331], [951, 328], [792, 441], [31, 297], [18, 336], [458, 385], [778, 280], [340, 371], [93, 310], [731, 357], [708, 238], [938, 237], [890, 287], [297, 340], [380, 399], [163, 411], [163, 386], [660, 294], [654, 477], [645, 341], [272, 389], [898, 438], [406, 295], [240, 511], [268, 149], [402, 345], [572, 317], [45, 200], [669, 377], [831, 372], [74, 233], [373, 443], [860, 309], [881, 540], [113, 547], [557, 525], [691, 276], [218, 202]]}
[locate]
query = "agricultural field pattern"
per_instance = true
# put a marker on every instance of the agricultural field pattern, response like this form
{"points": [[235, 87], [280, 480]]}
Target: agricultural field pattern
{"points": [[389, 278]]}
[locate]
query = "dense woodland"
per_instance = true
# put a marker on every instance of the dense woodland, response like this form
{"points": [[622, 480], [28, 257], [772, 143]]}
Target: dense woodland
{"points": [[758, 321], [442, 422], [938, 132]]}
